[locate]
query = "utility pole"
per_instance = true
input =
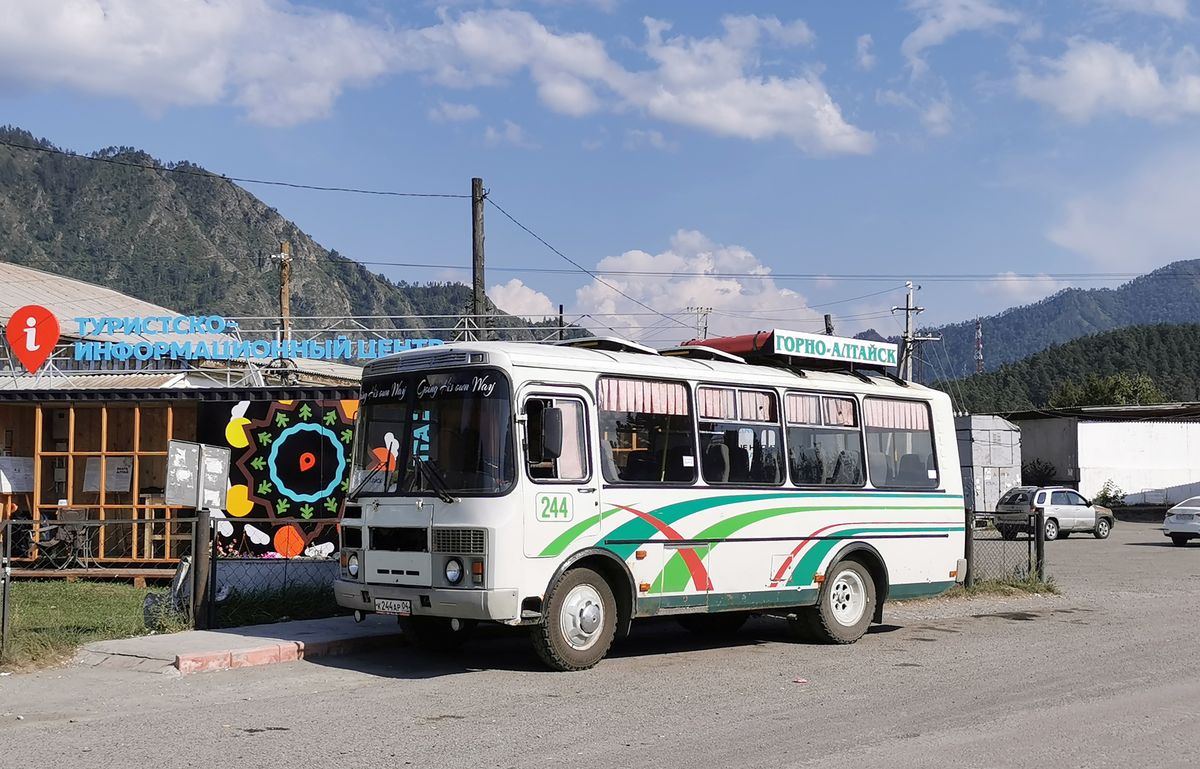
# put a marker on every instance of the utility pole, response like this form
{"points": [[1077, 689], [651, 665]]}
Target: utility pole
{"points": [[828, 324], [284, 257], [909, 339], [478, 295], [701, 320], [978, 346], [562, 329]]}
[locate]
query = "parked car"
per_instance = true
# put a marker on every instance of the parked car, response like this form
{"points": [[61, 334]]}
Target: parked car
{"points": [[1066, 512], [1182, 522]]}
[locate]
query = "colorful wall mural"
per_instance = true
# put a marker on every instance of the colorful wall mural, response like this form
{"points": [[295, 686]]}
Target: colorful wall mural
{"points": [[289, 472]]}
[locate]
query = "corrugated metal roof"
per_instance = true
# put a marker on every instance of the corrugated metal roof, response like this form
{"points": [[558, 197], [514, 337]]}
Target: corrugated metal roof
{"points": [[1158, 411], [124, 380], [68, 298]]}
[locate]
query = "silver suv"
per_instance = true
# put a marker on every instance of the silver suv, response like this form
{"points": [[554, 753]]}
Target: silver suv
{"points": [[1066, 511]]}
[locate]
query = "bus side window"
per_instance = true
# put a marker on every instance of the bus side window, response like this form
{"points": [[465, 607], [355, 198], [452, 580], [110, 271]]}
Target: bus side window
{"points": [[646, 428], [571, 464], [824, 440], [900, 434]]}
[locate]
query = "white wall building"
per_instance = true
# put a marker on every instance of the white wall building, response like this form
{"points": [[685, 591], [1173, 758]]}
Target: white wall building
{"points": [[1151, 452]]}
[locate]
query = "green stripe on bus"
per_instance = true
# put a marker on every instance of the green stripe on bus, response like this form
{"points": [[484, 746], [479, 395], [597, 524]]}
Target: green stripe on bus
{"points": [[676, 575], [638, 531], [561, 542], [812, 559]]}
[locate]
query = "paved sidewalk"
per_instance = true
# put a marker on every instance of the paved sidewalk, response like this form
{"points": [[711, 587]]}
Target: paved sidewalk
{"points": [[199, 651]]}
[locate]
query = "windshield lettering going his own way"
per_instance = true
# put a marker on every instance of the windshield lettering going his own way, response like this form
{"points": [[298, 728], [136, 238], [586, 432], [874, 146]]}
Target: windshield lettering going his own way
{"points": [[420, 431]]}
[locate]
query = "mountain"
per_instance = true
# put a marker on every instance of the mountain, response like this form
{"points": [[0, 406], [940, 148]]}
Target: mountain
{"points": [[1170, 294], [185, 239], [1168, 354]]}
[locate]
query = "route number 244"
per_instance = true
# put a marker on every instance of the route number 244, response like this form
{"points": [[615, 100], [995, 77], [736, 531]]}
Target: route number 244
{"points": [[554, 507]]}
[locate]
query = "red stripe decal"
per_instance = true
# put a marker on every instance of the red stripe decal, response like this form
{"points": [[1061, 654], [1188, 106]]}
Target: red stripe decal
{"points": [[690, 557], [805, 542]]}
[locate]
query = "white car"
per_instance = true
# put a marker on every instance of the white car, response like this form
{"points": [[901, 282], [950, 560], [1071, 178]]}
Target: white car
{"points": [[1065, 511], [1183, 521]]}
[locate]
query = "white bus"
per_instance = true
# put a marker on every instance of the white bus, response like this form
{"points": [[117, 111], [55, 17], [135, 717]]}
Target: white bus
{"points": [[573, 488]]}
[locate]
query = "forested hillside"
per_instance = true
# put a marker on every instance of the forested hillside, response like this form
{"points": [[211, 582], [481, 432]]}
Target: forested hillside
{"points": [[1168, 354], [188, 241]]}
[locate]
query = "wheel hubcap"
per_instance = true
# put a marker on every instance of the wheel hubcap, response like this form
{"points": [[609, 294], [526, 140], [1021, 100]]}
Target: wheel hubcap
{"points": [[1103, 527], [1051, 531], [582, 617], [848, 598]]}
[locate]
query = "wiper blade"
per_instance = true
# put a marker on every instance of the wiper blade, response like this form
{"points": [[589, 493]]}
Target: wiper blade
{"points": [[430, 472]]}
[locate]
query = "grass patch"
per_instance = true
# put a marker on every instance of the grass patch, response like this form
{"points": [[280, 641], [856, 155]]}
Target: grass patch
{"points": [[49, 619], [292, 603], [1005, 587]]}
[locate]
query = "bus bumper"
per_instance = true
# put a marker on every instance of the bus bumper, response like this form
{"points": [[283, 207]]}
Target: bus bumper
{"points": [[495, 605]]}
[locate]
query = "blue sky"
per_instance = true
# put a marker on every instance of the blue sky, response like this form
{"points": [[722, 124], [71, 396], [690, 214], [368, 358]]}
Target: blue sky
{"points": [[935, 137]]}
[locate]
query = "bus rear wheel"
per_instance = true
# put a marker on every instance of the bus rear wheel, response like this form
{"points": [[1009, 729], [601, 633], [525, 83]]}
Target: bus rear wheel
{"points": [[845, 606], [579, 622]]}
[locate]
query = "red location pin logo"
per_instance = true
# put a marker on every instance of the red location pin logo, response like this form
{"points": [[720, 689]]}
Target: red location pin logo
{"points": [[32, 333], [307, 461]]}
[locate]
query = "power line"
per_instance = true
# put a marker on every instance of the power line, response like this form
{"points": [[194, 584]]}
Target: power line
{"points": [[221, 177], [579, 266]]}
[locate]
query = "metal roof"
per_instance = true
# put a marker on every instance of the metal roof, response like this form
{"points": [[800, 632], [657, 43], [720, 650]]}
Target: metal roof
{"points": [[1158, 411], [68, 298], [106, 381], [220, 394]]}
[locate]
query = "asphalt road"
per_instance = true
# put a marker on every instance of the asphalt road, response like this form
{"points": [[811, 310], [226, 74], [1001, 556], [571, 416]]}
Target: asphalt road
{"points": [[1102, 676]]}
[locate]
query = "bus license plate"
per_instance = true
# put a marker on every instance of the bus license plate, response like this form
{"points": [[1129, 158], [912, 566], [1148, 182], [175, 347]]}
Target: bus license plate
{"points": [[400, 606]]}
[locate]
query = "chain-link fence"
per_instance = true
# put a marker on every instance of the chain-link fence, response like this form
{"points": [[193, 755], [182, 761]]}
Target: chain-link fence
{"points": [[1013, 549], [266, 570]]}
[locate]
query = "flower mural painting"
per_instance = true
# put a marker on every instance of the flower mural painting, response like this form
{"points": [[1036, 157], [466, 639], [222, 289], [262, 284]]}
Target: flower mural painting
{"points": [[291, 464]]}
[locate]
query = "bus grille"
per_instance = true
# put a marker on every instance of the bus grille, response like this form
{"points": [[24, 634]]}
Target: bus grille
{"points": [[460, 541]]}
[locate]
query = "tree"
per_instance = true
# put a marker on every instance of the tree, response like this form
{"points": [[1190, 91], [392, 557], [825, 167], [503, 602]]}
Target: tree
{"points": [[1122, 389]]}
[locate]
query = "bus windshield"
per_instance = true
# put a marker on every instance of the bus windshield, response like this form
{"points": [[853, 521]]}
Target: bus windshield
{"points": [[425, 433]]}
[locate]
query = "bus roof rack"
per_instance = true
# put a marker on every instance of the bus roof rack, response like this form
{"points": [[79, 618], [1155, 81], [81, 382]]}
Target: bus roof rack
{"points": [[700, 352], [609, 343]]}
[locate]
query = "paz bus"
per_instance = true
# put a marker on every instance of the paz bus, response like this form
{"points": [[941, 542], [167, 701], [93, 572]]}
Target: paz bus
{"points": [[576, 487]]}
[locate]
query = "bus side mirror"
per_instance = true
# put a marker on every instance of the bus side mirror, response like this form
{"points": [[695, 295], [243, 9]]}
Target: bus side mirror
{"points": [[552, 433]]}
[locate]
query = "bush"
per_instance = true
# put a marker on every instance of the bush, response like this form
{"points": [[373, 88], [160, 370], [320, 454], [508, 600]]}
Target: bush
{"points": [[1110, 495], [1038, 472]]}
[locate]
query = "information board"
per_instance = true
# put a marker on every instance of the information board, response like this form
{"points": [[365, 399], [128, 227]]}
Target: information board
{"points": [[197, 474], [118, 474]]}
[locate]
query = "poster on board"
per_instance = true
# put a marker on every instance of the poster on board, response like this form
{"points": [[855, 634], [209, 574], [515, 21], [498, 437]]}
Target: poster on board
{"points": [[16, 475], [118, 475]]}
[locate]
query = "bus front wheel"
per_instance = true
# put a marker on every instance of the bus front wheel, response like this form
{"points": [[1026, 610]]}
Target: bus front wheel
{"points": [[579, 622], [844, 607]]}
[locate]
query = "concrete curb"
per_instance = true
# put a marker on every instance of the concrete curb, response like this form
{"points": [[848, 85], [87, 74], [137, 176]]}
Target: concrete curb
{"points": [[275, 653]]}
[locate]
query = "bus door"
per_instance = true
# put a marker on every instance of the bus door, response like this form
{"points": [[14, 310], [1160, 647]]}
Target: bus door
{"points": [[562, 496]]}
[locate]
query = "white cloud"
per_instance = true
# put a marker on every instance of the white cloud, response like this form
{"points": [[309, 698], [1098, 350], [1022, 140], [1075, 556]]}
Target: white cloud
{"points": [[862, 52], [943, 19], [1093, 78], [516, 298], [448, 112], [636, 139], [1172, 9], [695, 266], [1144, 221], [511, 135], [1022, 289], [938, 117], [167, 53]]}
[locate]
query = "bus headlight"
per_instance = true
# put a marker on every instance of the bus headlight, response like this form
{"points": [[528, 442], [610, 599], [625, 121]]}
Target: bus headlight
{"points": [[352, 565], [454, 571]]}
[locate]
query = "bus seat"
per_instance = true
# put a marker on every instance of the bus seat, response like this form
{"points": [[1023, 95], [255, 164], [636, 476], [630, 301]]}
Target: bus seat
{"points": [[716, 463], [739, 464], [912, 471], [676, 469], [608, 465]]}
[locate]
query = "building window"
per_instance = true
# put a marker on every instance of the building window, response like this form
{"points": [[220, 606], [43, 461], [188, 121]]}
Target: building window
{"points": [[646, 431]]}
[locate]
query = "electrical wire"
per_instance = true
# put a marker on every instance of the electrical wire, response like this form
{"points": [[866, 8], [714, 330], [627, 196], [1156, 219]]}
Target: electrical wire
{"points": [[190, 171]]}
